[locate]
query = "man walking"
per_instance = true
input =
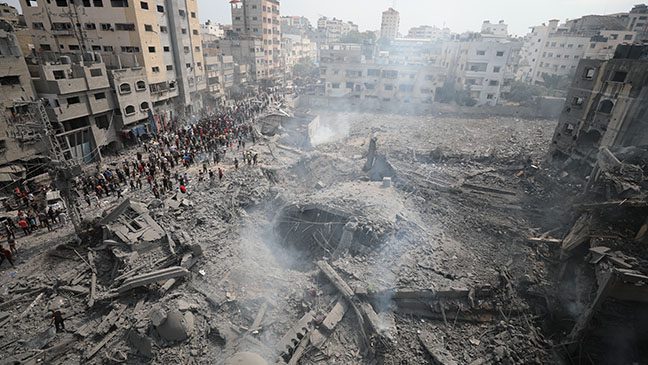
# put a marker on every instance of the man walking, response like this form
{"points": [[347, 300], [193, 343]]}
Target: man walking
{"points": [[57, 319]]}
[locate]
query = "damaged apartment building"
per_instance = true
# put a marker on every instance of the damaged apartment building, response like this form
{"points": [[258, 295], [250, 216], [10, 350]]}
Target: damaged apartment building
{"points": [[406, 70], [554, 50], [108, 71], [602, 135], [253, 44], [256, 24], [21, 139], [606, 106], [412, 70], [484, 63]]}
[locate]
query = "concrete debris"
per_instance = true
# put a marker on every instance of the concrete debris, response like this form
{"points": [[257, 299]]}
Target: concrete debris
{"points": [[130, 222], [439, 355], [176, 326], [246, 358], [157, 315], [416, 245], [152, 277], [42, 339]]}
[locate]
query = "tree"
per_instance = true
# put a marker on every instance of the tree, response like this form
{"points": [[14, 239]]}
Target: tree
{"points": [[357, 37], [557, 82], [305, 68], [446, 93], [449, 93], [522, 92], [463, 97]]}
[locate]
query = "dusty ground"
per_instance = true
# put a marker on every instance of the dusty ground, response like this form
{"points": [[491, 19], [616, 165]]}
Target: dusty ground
{"points": [[428, 238]]}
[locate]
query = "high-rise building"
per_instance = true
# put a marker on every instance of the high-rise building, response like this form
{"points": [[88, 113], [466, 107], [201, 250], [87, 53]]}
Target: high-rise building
{"points": [[332, 30], [260, 19], [390, 24], [158, 40]]}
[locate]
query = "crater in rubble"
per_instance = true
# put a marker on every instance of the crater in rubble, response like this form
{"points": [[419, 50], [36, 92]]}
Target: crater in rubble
{"points": [[347, 218]]}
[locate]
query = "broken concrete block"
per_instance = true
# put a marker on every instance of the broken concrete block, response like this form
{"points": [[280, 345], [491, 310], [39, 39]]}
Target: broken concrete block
{"points": [[320, 185], [141, 343], [386, 182], [177, 327], [155, 203], [189, 322], [172, 203], [157, 316], [245, 358], [152, 277], [183, 305], [335, 315], [439, 354], [42, 339], [197, 249]]}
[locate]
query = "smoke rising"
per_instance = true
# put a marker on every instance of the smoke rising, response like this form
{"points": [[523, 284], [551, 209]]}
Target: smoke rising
{"points": [[331, 130]]}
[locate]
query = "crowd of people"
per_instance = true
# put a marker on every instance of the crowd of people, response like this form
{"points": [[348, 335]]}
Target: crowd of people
{"points": [[161, 165], [33, 214]]}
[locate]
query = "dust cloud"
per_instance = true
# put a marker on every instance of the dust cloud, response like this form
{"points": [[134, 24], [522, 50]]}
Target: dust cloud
{"points": [[331, 130]]}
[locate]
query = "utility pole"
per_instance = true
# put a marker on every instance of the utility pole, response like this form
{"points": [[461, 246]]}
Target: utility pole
{"points": [[63, 168]]}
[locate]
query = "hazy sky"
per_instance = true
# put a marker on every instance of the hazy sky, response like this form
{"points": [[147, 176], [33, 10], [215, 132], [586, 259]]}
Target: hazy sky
{"points": [[458, 15]]}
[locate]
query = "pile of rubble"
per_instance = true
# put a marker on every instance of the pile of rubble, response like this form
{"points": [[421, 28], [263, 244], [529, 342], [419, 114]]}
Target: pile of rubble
{"points": [[603, 259], [101, 282], [394, 245]]}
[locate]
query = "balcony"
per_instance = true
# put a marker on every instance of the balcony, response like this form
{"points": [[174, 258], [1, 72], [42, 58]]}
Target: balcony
{"points": [[68, 112], [475, 87], [475, 74], [99, 106], [60, 87]]}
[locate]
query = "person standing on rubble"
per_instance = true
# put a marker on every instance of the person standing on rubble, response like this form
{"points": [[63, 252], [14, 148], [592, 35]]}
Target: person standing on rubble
{"points": [[22, 223], [42, 216], [236, 163], [57, 320], [6, 254], [9, 231], [12, 245]]}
